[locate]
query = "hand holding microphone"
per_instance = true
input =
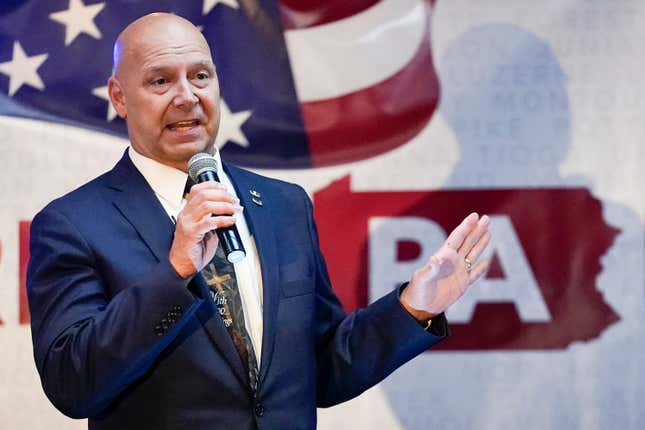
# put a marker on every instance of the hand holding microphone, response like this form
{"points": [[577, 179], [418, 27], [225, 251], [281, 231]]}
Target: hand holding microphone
{"points": [[209, 208]]}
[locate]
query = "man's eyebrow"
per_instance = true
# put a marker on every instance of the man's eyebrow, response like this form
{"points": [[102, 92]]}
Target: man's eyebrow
{"points": [[206, 64], [154, 69], [157, 69]]}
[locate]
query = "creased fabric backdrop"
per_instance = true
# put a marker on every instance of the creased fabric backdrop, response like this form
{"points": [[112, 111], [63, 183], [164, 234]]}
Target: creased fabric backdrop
{"points": [[399, 117]]}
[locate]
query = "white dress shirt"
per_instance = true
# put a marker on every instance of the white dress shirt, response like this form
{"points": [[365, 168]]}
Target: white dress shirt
{"points": [[168, 184]]}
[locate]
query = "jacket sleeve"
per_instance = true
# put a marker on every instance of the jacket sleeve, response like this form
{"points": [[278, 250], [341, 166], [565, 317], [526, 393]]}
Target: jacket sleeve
{"points": [[358, 350], [88, 348]]}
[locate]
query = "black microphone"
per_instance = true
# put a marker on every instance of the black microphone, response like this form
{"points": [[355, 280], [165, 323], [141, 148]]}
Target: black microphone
{"points": [[202, 167]]}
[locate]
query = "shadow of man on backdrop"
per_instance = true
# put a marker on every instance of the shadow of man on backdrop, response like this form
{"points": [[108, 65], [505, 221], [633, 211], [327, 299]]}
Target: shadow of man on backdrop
{"points": [[505, 96]]}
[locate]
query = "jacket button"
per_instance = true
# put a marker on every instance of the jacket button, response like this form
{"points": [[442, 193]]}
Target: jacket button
{"points": [[177, 309], [159, 330], [259, 409]]}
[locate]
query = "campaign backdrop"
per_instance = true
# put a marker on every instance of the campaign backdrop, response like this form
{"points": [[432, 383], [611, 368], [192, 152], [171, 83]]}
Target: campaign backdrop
{"points": [[399, 117]]}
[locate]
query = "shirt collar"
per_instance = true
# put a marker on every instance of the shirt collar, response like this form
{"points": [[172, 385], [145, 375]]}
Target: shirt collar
{"points": [[167, 182]]}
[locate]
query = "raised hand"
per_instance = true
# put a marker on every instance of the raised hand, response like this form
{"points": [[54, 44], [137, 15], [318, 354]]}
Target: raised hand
{"points": [[450, 271]]}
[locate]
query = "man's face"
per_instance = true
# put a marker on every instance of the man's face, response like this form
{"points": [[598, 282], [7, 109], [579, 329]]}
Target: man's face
{"points": [[166, 88]]}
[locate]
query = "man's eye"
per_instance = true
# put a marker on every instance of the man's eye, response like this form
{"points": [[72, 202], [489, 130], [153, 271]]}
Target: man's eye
{"points": [[159, 81], [202, 75]]}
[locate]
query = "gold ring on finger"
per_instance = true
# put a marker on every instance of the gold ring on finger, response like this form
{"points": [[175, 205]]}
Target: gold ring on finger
{"points": [[469, 264]]}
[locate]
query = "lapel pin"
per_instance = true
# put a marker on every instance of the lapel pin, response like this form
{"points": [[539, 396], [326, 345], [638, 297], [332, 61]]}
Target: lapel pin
{"points": [[255, 193], [257, 201]]}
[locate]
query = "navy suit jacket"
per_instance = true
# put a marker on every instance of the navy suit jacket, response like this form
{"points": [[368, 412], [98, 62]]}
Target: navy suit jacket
{"points": [[120, 338]]}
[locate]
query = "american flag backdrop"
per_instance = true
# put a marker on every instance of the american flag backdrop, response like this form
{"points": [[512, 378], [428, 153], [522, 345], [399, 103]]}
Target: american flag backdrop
{"points": [[398, 117], [304, 83]]}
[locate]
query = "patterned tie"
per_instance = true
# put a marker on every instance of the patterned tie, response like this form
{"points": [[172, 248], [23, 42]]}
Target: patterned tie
{"points": [[219, 274]]}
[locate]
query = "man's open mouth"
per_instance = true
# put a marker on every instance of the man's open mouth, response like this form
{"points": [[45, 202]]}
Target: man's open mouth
{"points": [[183, 125]]}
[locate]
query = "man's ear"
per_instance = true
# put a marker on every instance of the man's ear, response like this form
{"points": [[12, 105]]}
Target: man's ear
{"points": [[116, 97]]}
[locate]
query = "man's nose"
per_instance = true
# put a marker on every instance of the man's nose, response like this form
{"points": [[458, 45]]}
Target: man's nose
{"points": [[185, 97]]}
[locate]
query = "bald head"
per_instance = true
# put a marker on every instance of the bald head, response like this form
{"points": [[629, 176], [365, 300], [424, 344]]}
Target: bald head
{"points": [[150, 30]]}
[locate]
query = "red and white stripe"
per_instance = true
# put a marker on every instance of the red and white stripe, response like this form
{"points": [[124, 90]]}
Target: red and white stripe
{"points": [[363, 73]]}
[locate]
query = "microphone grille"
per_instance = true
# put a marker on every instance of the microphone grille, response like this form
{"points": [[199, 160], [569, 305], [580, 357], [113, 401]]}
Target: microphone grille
{"points": [[200, 163]]}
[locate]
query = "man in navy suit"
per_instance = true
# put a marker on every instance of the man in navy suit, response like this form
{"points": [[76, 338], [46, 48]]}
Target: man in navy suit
{"points": [[126, 325]]}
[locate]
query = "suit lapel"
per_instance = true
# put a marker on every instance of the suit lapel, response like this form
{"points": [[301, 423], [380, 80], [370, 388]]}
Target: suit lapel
{"points": [[137, 202], [139, 205], [260, 219]]}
